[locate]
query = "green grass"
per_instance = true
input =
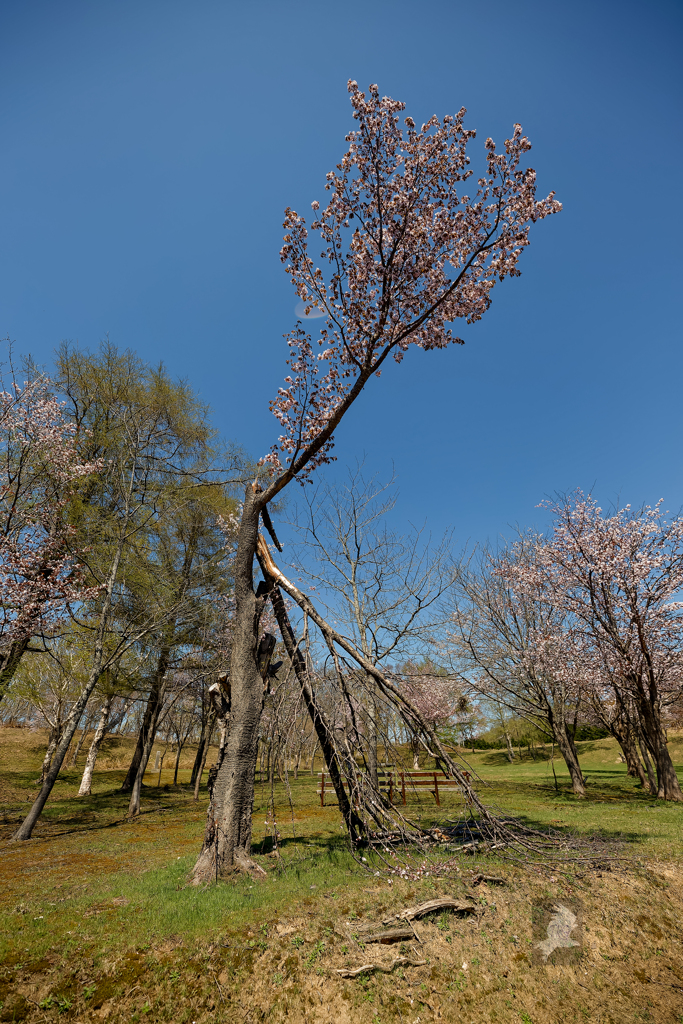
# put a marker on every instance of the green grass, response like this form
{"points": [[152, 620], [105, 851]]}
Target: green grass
{"points": [[97, 911]]}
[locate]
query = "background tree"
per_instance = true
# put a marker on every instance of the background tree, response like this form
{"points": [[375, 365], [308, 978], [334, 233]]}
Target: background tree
{"points": [[151, 437], [439, 699], [407, 252], [39, 469], [494, 642], [620, 578], [379, 586]]}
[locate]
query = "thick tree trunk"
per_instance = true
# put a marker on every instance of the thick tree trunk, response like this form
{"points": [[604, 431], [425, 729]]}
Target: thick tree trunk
{"points": [[227, 839], [571, 757], [668, 787], [100, 732]]}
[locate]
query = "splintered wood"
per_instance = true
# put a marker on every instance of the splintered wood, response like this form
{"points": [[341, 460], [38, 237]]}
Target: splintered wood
{"points": [[443, 903]]}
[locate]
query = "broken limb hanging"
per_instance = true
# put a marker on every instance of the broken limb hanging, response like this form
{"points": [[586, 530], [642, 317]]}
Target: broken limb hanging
{"points": [[361, 801], [372, 799]]}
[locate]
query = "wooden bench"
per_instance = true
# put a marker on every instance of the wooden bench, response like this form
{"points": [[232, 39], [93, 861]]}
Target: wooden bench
{"points": [[393, 782], [437, 782], [386, 783]]}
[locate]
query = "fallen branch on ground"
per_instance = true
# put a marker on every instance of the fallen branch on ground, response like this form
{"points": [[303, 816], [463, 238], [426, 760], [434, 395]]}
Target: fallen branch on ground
{"points": [[392, 935], [401, 961], [443, 903], [492, 879]]}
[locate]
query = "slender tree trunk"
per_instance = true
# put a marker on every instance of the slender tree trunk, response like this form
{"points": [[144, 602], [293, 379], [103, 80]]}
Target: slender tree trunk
{"points": [[626, 741], [571, 758], [371, 726], [71, 724], [651, 777], [621, 727], [53, 740], [100, 732], [77, 749], [177, 762], [200, 772], [208, 725], [150, 736], [511, 753], [150, 717], [642, 744], [315, 747]]}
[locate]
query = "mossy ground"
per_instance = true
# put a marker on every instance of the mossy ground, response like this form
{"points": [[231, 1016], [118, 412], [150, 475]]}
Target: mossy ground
{"points": [[98, 924]]}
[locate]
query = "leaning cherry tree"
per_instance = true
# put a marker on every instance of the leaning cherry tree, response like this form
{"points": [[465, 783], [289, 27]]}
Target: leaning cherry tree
{"points": [[411, 242]]}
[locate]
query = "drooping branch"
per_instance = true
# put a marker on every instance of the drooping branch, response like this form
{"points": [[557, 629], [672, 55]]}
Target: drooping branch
{"points": [[320, 723], [392, 692]]}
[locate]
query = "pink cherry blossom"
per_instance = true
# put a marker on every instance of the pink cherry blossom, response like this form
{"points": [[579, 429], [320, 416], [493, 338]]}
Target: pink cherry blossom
{"points": [[406, 251], [38, 572]]}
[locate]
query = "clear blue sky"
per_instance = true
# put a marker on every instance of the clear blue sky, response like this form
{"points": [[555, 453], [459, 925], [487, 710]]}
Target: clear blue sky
{"points": [[149, 148]]}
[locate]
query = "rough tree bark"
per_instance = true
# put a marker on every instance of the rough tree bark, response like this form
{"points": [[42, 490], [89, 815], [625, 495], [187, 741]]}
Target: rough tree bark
{"points": [[570, 755], [668, 787], [227, 839]]}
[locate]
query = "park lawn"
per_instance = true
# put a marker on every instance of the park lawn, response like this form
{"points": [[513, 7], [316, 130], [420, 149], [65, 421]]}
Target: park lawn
{"points": [[98, 924]]}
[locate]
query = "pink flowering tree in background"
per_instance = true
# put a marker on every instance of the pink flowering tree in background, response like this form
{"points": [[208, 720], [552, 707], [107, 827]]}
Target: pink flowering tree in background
{"points": [[439, 700], [412, 241], [509, 644], [38, 566], [620, 580]]}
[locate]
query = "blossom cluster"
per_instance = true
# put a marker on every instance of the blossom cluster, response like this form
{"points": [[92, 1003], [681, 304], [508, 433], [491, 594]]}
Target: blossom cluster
{"points": [[619, 581], [40, 466], [410, 244]]}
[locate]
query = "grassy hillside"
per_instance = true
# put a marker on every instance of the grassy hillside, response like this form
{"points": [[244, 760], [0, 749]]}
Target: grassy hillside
{"points": [[96, 921]]}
